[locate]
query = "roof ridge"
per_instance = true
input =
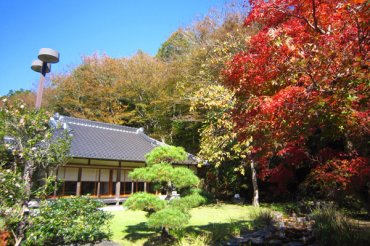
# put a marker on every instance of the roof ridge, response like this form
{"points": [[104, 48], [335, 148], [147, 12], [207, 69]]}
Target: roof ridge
{"points": [[152, 141], [101, 127], [98, 124]]}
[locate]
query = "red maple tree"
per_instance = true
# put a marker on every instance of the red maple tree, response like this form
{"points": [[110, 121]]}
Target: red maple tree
{"points": [[303, 90]]}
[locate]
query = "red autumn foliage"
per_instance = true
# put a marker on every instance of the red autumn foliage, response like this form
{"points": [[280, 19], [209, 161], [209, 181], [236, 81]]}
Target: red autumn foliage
{"points": [[302, 87], [342, 174], [282, 176], [4, 237]]}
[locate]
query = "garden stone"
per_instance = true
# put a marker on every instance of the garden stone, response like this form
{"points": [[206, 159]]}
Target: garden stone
{"points": [[232, 243], [292, 231], [308, 239], [265, 233], [33, 204], [274, 242], [281, 234], [257, 241], [244, 240], [268, 234], [102, 243], [278, 216], [301, 219], [294, 244], [281, 225]]}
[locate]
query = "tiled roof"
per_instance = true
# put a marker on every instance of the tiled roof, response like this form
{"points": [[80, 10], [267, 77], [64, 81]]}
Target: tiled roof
{"points": [[97, 140]]}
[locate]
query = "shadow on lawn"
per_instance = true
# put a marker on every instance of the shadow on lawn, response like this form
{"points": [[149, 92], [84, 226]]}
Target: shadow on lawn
{"points": [[213, 232], [138, 231], [216, 232]]}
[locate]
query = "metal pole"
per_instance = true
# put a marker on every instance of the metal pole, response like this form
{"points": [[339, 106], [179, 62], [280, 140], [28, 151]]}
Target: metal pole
{"points": [[41, 85]]}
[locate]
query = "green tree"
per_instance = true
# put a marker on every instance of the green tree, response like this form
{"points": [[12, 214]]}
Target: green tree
{"points": [[27, 96], [30, 152], [171, 213], [220, 37], [160, 169], [219, 141], [178, 44]]}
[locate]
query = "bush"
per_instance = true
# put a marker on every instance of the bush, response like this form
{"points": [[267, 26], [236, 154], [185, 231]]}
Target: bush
{"points": [[203, 239], [68, 221], [333, 228], [263, 217]]}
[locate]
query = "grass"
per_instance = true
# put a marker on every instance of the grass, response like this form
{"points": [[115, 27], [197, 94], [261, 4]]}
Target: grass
{"points": [[128, 227], [263, 217], [208, 224], [332, 227]]}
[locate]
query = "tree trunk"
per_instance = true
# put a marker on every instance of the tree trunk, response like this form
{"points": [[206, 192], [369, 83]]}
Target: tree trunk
{"points": [[18, 240], [169, 190], [255, 185], [22, 225], [165, 234], [27, 177]]}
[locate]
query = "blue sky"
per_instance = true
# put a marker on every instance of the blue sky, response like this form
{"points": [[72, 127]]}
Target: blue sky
{"points": [[76, 28]]}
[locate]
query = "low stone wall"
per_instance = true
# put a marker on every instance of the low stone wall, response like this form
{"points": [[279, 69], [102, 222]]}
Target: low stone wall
{"points": [[291, 231]]}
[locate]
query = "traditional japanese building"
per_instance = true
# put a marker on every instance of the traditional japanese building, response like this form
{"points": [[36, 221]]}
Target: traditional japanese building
{"points": [[102, 157]]}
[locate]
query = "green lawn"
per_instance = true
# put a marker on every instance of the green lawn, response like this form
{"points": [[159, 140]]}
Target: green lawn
{"points": [[211, 221]]}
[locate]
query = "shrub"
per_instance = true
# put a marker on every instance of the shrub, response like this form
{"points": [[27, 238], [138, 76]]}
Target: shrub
{"points": [[262, 217], [68, 221], [203, 239], [333, 228]]}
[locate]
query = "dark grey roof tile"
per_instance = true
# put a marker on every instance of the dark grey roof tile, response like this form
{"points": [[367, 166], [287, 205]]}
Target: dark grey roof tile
{"points": [[98, 140]]}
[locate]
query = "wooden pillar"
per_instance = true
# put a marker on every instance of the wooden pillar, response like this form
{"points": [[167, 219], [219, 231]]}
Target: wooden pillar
{"points": [[124, 181], [144, 186], [132, 187], [64, 182], [110, 184], [78, 188], [98, 191], [118, 184], [56, 186]]}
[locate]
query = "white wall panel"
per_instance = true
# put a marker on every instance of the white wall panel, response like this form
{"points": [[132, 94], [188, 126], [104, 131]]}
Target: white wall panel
{"points": [[71, 174], [89, 174], [60, 173], [104, 175], [127, 178]]}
